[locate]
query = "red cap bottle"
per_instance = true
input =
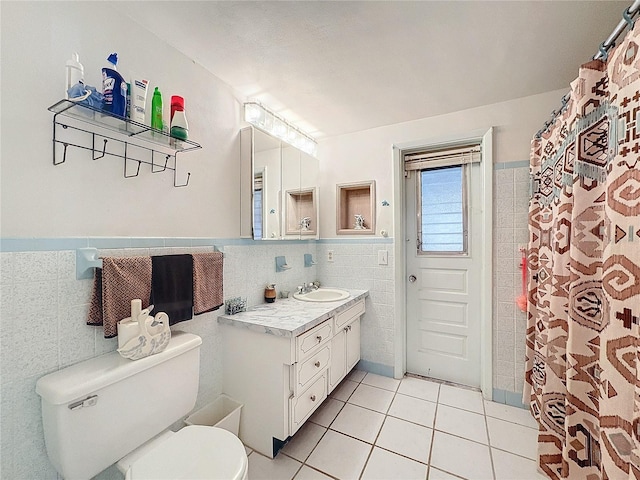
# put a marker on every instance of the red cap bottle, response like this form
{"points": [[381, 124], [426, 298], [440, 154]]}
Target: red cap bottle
{"points": [[177, 103]]}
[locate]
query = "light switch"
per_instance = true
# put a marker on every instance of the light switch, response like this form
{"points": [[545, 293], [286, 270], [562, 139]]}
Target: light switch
{"points": [[383, 257]]}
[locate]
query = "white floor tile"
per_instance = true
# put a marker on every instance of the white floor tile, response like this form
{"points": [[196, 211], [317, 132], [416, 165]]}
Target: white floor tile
{"points": [[340, 456], [420, 388], [513, 438], [308, 473], [510, 414], [413, 410], [383, 465], [371, 397], [356, 375], [435, 474], [462, 423], [461, 457], [327, 412], [263, 468], [405, 438], [304, 441], [509, 466], [380, 381], [344, 390], [358, 422], [461, 398]]}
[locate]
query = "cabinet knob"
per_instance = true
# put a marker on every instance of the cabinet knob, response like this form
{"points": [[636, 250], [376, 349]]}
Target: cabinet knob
{"points": [[313, 398], [317, 364], [347, 328], [319, 338]]}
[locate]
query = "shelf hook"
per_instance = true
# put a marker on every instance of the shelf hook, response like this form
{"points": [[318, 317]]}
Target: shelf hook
{"points": [[137, 169], [174, 179], [125, 163], [166, 160], [104, 150], [64, 154]]}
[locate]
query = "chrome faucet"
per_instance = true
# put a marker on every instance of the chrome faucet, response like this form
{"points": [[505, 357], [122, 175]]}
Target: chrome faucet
{"points": [[307, 287]]}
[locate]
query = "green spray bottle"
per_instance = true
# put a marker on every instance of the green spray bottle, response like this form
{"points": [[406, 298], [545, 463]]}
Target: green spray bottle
{"points": [[156, 110]]}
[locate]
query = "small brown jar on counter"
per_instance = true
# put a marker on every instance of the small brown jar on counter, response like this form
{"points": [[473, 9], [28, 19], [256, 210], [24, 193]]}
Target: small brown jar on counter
{"points": [[270, 293]]}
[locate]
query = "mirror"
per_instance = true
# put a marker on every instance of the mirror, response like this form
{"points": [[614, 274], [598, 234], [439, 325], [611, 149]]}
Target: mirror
{"points": [[266, 186], [282, 185]]}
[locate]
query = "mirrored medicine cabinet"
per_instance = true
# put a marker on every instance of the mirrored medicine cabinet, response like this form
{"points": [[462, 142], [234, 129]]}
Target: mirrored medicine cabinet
{"points": [[279, 194]]}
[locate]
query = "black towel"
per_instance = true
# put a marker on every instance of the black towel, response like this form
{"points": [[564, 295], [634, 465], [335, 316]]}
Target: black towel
{"points": [[172, 286]]}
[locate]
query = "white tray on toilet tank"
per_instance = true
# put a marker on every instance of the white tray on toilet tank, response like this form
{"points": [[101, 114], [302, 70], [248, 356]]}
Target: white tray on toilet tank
{"points": [[223, 412]]}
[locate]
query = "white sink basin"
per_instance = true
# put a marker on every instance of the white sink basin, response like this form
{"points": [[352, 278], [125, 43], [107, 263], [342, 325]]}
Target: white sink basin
{"points": [[322, 295]]}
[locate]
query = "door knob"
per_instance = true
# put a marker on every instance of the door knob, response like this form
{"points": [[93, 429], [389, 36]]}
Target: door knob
{"points": [[412, 278]]}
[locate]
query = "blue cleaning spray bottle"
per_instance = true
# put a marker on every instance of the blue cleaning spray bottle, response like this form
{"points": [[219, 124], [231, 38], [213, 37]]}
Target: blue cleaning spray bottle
{"points": [[114, 88]]}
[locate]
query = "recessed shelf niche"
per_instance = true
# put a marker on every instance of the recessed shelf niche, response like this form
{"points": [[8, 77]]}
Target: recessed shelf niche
{"points": [[301, 212], [355, 199]]}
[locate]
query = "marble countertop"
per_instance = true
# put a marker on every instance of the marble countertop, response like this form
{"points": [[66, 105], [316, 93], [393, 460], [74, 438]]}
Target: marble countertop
{"points": [[288, 317]]}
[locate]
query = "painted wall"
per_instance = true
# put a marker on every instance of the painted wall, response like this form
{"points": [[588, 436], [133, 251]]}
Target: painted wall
{"points": [[367, 155], [91, 198]]}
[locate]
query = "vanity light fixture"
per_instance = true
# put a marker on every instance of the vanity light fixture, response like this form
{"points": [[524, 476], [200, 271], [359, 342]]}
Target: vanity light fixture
{"points": [[263, 118]]}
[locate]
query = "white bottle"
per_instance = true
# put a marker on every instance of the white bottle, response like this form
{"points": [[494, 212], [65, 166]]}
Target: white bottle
{"points": [[75, 72]]}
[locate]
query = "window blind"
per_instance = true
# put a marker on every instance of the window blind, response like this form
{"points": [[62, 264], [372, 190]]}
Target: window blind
{"points": [[442, 158]]}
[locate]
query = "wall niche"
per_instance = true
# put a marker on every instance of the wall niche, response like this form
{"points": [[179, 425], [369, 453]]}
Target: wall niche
{"points": [[355, 208]]}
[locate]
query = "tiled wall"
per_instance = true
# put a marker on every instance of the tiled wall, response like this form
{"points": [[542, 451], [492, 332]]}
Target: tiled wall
{"points": [[43, 309], [511, 196], [355, 265], [43, 328]]}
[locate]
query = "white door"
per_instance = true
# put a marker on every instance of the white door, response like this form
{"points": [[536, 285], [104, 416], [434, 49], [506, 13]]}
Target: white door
{"points": [[443, 265]]}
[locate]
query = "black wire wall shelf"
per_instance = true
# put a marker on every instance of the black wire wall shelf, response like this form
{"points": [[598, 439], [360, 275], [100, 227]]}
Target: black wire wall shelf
{"points": [[140, 143]]}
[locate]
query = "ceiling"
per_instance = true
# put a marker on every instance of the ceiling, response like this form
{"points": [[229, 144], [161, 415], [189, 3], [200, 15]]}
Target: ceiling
{"points": [[334, 67]]}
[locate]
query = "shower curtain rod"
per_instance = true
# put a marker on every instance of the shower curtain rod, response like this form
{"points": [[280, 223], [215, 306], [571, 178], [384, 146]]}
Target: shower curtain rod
{"points": [[603, 53]]}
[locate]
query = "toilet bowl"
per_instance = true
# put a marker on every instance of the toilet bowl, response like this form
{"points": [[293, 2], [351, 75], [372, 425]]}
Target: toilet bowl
{"points": [[193, 453]]}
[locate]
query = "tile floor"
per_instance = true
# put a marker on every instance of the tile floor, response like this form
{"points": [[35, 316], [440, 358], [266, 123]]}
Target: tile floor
{"points": [[374, 427]]}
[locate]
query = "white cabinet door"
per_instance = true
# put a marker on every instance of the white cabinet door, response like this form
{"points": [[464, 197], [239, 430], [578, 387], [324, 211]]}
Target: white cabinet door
{"points": [[353, 344], [338, 358]]}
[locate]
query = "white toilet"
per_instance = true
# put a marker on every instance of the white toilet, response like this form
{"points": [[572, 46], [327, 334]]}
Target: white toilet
{"points": [[110, 410]]}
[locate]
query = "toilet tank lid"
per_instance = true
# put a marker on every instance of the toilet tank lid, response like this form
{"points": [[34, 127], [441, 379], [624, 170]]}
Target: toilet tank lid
{"points": [[84, 378]]}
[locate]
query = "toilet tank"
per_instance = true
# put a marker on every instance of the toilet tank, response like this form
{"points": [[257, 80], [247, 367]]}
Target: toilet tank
{"points": [[97, 411]]}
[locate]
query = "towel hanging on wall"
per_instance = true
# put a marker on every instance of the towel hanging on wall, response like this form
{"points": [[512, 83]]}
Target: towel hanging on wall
{"points": [[120, 280], [172, 286], [207, 282]]}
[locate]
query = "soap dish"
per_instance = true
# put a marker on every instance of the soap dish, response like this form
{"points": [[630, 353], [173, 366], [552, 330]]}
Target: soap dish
{"points": [[235, 305]]}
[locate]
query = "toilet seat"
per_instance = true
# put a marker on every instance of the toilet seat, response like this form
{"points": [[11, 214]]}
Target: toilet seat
{"points": [[194, 452]]}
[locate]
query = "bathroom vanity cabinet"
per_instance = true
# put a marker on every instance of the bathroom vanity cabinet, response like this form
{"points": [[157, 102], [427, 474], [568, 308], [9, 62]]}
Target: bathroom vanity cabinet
{"points": [[282, 360], [345, 344]]}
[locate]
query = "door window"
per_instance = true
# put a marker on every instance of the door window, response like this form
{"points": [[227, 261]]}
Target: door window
{"points": [[442, 212]]}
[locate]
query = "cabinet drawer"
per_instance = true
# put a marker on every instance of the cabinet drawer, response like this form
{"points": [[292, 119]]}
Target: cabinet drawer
{"points": [[307, 370], [310, 341], [349, 314], [302, 406]]}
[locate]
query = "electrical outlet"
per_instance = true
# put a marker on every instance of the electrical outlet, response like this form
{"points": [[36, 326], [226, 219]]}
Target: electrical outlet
{"points": [[383, 257], [330, 256]]}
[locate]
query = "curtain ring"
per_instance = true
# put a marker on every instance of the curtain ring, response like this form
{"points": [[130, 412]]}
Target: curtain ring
{"points": [[604, 52], [627, 18]]}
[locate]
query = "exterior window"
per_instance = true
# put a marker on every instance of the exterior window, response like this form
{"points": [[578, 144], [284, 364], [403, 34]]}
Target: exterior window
{"points": [[442, 226]]}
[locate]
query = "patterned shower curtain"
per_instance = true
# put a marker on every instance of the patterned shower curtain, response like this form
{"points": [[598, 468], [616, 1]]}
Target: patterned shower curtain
{"points": [[582, 344]]}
